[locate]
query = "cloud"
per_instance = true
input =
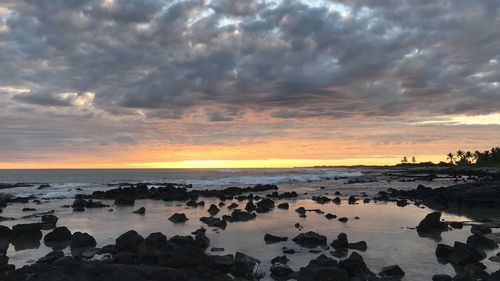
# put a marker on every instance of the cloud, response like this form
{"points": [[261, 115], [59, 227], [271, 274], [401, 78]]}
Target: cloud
{"points": [[253, 64]]}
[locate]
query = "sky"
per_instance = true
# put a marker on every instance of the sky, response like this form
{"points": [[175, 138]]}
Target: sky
{"points": [[245, 83]]}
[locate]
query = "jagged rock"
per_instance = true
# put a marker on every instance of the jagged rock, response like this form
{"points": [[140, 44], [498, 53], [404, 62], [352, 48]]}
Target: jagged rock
{"points": [[82, 240]]}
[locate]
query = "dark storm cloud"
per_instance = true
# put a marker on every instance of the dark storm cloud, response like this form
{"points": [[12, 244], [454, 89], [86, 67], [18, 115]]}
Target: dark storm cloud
{"points": [[176, 55], [169, 60]]}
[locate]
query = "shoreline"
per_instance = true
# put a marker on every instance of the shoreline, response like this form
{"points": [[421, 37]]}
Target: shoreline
{"points": [[263, 202]]}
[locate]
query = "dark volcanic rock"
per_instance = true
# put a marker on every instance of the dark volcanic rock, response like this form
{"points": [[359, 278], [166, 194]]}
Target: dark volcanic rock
{"points": [[360, 246], [280, 271], [432, 223], [280, 259], [59, 234], [128, 241], [355, 266], [481, 242], [178, 218], [49, 219], [463, 254], [269, 238], [51, 257], [28, 231], [341, 242], [443, 251], [343, 219], [213, 210], [393, 270], [283, 206], [265, 205], [238, 215], [330, 216], [82, 240], [323, 269], [480, 229], [310, 239], [441, 277], [245, 266], [140, 211], [222, 263], [124, 201], [214, 222]]}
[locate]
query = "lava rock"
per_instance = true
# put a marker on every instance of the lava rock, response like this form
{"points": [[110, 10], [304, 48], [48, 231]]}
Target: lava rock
{"points": [[178, 218], [283, 206], [481, 242], [432, 223], [310, 239], [213, 210], [214, 222], [244, 266], [442, 277], [269, 238], [330, 216], [140, 211], [393, 270], [82, 240], [128, 241], [59, 234]]}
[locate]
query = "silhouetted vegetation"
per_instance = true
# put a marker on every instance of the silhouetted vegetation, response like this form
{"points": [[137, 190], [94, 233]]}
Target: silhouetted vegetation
{"points": [[486, 158]]}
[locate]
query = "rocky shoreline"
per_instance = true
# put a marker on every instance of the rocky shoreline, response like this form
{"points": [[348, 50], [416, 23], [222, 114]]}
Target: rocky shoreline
{"points": [[154, 257]]}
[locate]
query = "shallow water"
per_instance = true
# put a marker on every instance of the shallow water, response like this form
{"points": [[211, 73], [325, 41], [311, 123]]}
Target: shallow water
{"points": [[383, 226]]}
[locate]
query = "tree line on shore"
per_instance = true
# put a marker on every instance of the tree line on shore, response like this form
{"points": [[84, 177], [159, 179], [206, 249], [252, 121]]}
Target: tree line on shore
{"points": [[462, 158]]}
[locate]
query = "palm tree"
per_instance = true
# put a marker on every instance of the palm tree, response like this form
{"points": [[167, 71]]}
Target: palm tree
{"points": [[460, 154], [468, 156], [451, 157], [404, 160]]}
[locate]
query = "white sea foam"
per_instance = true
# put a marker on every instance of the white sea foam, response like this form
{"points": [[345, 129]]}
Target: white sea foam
{"points": [[219, 180]]}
